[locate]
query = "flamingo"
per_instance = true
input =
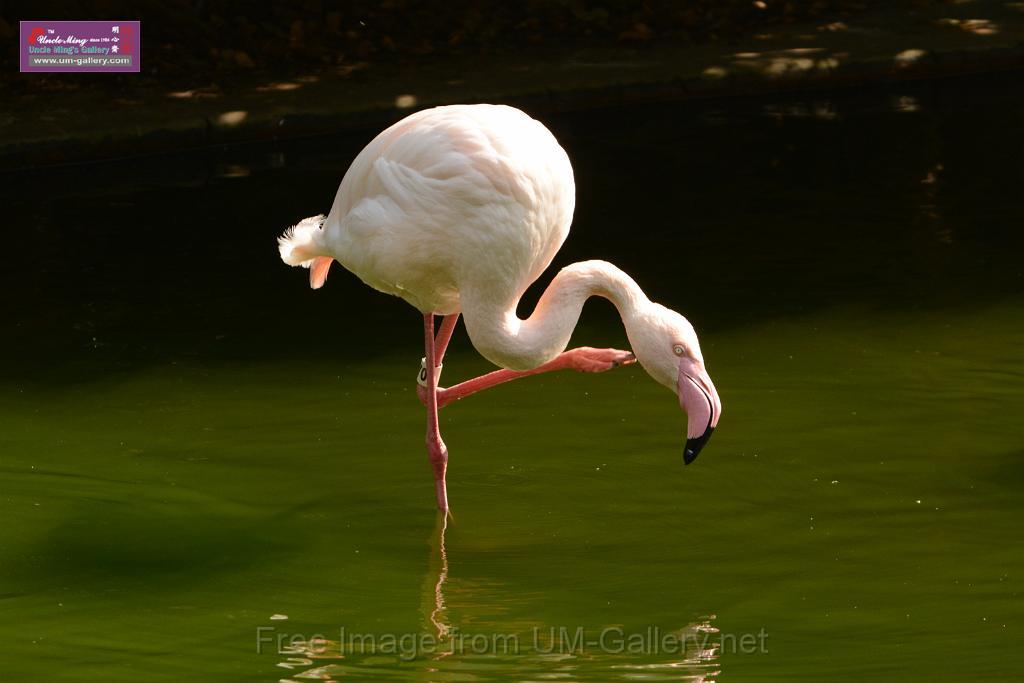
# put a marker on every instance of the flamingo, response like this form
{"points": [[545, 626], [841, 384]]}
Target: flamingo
{"points": [[457, 210]]}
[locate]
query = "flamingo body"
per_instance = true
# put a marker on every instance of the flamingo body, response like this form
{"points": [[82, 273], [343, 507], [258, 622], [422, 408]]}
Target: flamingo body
{"points": [[465, 197]]}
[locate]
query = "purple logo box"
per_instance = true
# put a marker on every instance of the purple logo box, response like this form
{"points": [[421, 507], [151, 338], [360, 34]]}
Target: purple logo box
{"points": [[77, 46]]}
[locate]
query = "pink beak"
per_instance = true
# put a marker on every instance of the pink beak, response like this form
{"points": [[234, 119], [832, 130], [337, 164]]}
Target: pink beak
{"points": [[699, 398]]}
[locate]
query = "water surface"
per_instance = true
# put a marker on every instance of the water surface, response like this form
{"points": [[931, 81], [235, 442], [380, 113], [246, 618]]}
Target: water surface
{"points": [[194, 446]]}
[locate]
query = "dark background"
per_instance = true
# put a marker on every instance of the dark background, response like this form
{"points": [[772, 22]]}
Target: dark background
{"points": [[185, 42]]}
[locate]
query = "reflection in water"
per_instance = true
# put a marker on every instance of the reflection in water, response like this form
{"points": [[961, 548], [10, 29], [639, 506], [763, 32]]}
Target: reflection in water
{"points": [[443, 652], [438, 568], [699, 666]]}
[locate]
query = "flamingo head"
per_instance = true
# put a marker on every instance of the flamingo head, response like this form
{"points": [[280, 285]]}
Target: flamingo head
{"points": [[666, 345]]}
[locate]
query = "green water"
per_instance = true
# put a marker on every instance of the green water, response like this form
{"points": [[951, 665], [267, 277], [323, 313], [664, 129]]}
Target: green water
{"points": [[192, 443]]}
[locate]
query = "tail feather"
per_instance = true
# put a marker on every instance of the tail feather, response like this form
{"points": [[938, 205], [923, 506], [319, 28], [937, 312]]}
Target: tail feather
{"points": [[302, 245]]}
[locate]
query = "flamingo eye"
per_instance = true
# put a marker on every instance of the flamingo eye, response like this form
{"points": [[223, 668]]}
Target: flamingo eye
{"points": [[677, 349]]}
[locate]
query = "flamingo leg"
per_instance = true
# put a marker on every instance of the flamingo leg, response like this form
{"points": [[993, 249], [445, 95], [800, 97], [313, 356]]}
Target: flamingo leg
{"points": [[581, 359], [444, 335], [437, 452]]}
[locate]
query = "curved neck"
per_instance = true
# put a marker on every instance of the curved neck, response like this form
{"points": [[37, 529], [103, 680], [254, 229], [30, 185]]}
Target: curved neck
{"points": [[506, 340]]}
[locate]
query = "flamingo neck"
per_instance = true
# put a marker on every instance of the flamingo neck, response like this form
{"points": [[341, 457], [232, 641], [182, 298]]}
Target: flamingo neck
{"points": [[507, 340]]}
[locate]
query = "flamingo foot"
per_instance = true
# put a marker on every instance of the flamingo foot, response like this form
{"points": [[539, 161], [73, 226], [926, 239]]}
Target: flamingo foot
{"points": [[588, 359], [438, 454]]}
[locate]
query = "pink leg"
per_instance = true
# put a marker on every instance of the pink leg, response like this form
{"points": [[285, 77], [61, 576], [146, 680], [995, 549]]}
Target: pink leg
{"points": [[582, 359], [444, 335], [436, 450]]}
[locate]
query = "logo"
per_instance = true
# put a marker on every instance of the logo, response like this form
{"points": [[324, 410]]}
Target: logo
{"points": [[69, 46]]}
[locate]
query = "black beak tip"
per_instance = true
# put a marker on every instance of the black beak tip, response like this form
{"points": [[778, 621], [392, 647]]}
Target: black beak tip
{"points": [[694, 446]]}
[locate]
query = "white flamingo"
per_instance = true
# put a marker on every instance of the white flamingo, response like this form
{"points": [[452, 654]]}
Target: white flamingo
{"points": [[458, 209]]}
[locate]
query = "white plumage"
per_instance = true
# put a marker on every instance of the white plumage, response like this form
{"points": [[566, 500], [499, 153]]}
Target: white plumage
{"points": [[466, 197]]}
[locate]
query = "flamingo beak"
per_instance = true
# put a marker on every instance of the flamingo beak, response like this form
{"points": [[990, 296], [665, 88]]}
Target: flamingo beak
{"points": [[699, 398]]}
